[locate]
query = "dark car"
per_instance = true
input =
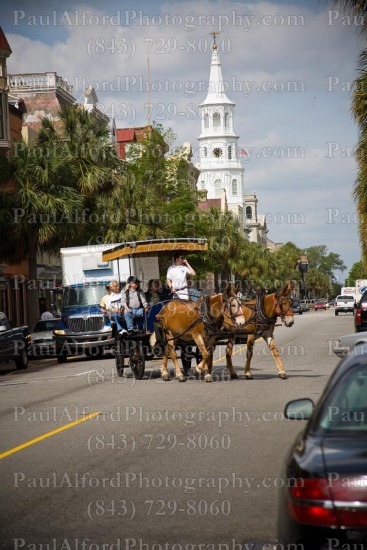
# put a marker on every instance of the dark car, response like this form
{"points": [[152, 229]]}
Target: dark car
{"points": [[323, 499], [360, 317], [296, 306]]}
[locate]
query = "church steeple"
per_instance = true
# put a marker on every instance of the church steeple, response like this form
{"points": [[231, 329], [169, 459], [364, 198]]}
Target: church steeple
{"points": [[216, 87], [220, 165]]}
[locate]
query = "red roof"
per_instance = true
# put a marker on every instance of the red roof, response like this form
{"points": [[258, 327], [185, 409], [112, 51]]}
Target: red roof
{"points": [[123, 134], [4, 44]]}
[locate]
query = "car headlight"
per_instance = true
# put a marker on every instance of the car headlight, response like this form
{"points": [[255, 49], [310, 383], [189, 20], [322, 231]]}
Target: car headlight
{"points": [[59, 331]]}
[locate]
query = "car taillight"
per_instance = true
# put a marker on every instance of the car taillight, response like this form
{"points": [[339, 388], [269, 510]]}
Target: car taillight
{"points": [[330, 502], [358, 316]]}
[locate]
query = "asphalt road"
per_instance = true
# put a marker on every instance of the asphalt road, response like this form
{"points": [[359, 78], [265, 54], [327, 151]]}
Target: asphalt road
{"points": [[156, 465]]}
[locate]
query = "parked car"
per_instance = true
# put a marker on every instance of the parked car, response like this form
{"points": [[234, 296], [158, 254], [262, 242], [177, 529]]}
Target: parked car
{"points": [[304, 305], [323, 495], [320, 304], [360, 317], [347, 342], [296, 306], [42, 343], [13, 343]]}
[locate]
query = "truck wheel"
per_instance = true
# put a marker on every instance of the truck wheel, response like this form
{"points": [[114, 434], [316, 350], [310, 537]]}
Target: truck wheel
{"points": [[21, 361], [137, 362], [119, 359], [94, 352], [62, 358]]}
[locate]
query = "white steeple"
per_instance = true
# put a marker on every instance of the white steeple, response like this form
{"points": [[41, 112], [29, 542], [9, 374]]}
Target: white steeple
{"points": [[219, 162]]}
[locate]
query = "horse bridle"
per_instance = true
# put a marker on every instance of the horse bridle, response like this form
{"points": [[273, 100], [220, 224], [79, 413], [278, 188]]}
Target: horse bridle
{"points": [[280, 310]]}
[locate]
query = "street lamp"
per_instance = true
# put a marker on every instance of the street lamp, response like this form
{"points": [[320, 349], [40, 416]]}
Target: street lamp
{"points": [[303, 268]]}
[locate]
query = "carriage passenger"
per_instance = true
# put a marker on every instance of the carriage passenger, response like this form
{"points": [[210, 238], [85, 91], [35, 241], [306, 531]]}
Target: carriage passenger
{"points": [[177, 276], [133, 302]]}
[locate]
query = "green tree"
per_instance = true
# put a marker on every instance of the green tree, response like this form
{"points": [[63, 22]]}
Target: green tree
{"points": [[357, 272], [37, 208]]}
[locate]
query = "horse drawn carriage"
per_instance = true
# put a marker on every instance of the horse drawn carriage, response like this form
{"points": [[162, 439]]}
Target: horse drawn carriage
{"points": [[192, 327]]}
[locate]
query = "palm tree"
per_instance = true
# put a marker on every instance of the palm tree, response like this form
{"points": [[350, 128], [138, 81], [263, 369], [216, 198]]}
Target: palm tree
{"points": [[37, 208]]}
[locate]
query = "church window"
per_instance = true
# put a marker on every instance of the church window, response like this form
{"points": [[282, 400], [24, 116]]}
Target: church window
{"points": [[205, 151], [229, 151], [249, 212], [234, 187], [226, 120], [217, 188], [216, 121], [206, 120], [202, 184]]}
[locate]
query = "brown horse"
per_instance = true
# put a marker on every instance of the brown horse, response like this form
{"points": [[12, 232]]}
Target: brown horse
{"points": [[261, 316], [181, 320]]}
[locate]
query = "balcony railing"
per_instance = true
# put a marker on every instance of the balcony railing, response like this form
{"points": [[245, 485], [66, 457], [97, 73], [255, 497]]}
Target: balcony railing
{"points": [[35, 81]]}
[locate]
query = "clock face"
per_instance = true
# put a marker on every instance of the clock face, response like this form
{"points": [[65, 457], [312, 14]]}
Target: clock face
{"points": [[217, 152]]}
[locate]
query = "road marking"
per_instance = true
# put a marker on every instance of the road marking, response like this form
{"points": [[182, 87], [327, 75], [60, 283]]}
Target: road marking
{"points": [[48, 434], [234, 353]]}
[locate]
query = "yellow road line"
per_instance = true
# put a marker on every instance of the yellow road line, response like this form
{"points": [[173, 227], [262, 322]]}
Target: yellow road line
{"points": [[48, 434], [234, 353]]}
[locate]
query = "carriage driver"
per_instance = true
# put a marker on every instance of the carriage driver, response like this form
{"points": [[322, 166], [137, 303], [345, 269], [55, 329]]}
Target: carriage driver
{"points": [[177, 276]]}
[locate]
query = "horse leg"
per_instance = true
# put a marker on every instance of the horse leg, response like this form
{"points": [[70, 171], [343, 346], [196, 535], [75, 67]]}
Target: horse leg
{"points": [[249, 354], [164, 370], [180, 377], [202, 367], [275, 352], [229, 352]]}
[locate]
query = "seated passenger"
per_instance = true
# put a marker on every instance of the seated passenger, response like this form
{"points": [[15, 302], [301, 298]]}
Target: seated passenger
{"points": [[133, 302], [154, 291]]}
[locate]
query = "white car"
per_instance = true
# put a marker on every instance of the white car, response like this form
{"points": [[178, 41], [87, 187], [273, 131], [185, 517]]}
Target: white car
{"points": [[42, 342], [347, 342]]}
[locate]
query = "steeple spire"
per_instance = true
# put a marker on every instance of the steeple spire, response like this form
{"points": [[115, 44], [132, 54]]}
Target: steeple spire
{"points": [[216, 88]]}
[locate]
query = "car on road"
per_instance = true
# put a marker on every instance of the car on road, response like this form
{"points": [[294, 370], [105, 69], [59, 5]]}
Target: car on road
{"points": [[42, 342], [304, 305], [344, 303], [323, 495], [347, 342], [360, 317], [320, 304], [296, 306]]}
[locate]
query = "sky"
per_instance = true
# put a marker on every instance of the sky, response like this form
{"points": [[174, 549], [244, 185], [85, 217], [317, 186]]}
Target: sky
{"points": [[289, 66]]}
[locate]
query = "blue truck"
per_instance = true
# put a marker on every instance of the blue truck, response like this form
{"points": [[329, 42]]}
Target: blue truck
{"points": [[84, 328]]}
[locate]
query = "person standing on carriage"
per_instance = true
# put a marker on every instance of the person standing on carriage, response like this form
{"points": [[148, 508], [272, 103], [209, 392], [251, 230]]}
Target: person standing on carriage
{"points": [[177, 276]]}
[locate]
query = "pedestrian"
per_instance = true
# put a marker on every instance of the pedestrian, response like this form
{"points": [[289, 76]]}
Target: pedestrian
{"points": [[177, 276], [46, 315]]}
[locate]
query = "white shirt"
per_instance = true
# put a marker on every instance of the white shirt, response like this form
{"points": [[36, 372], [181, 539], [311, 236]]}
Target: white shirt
{"points": [[178, 275], [46, 315], [113, 300]]}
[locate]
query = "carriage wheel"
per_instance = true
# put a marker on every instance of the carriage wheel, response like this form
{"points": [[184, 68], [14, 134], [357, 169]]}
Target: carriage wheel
{"points": [[119, 359], [137, 361]]}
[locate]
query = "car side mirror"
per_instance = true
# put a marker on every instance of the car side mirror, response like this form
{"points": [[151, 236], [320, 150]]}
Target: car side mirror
{"points": [[299, 409]]}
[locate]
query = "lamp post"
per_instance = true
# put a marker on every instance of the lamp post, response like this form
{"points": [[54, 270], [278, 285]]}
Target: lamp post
{"points": [[303, 268]]}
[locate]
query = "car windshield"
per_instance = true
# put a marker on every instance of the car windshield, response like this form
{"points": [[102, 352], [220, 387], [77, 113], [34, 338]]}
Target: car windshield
{"points": [[83, 296], [345, 409], [345, 297], [45, 325]]}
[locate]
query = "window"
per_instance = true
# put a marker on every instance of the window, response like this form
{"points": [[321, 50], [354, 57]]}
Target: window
{"points": [[216, 121], [2, 116], [202, 184], [249, 212], [206, 120], [234, 187], [205, 150], [229, 151], [217, 188], [226, 120]]}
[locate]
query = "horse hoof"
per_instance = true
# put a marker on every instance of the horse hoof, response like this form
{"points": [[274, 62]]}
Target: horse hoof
{"points": [[181, 378], [249, 377], [165, 377], [282, 375], [208, 378], [234, 376]]}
